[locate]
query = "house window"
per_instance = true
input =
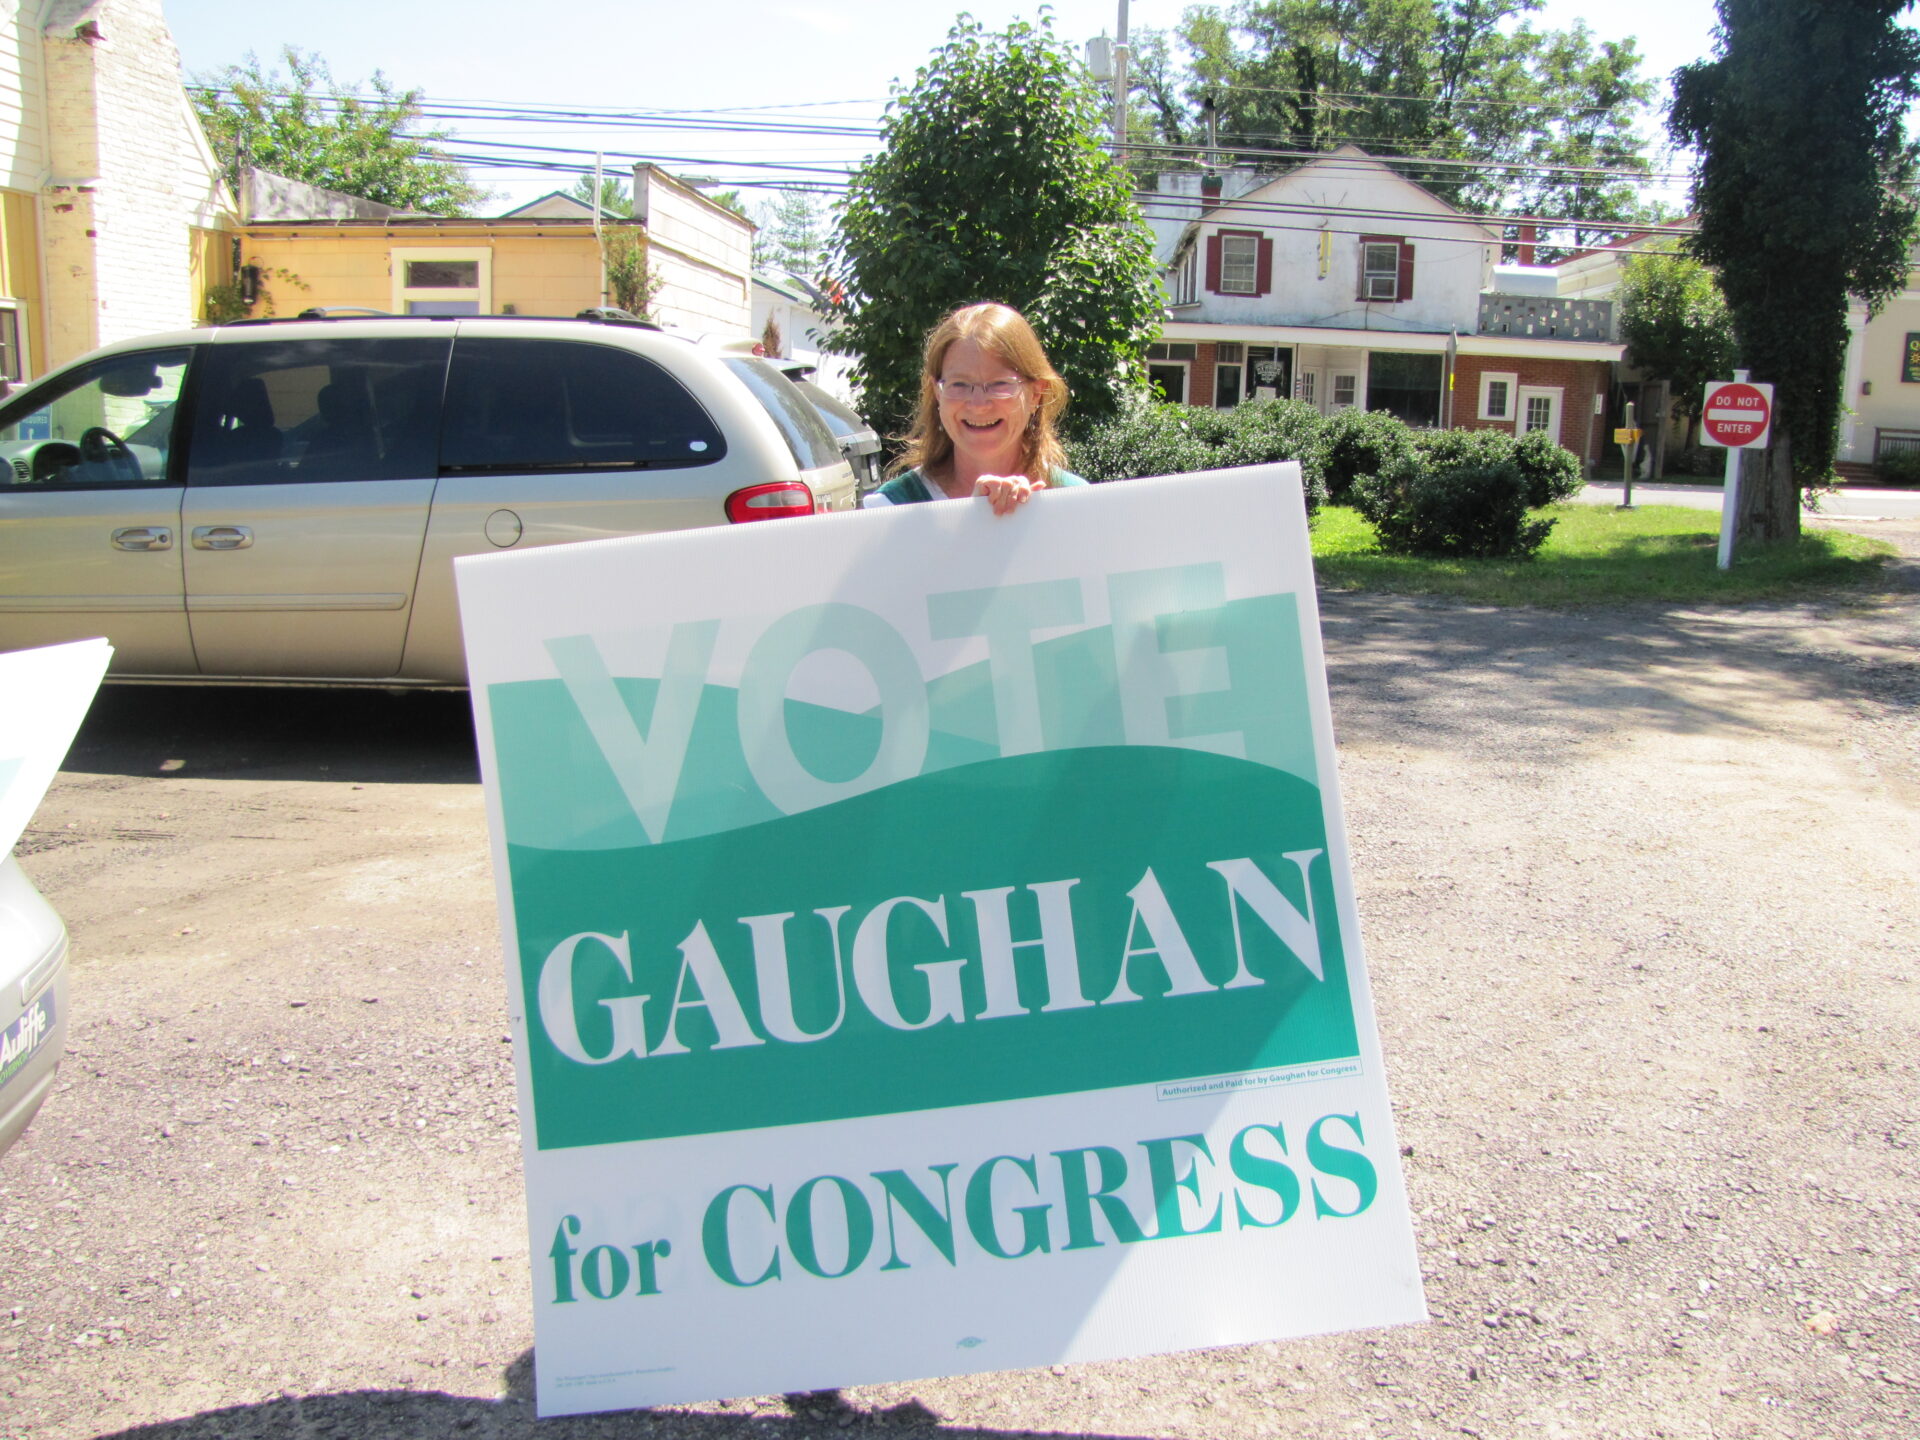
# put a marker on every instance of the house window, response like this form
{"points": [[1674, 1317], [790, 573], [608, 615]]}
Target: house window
{"points": [[1345, 390], [1186, 278], [1239, 264], [1228, 356], [12, 364], [1386, 269], [443, 282], [1269, 370], [1496, 395], [1303, 386], [1405, 385], [1167, 368]]}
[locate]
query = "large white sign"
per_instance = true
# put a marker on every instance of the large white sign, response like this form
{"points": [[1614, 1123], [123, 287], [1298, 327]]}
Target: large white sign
{"points": [[46, 695], [930, 944]]}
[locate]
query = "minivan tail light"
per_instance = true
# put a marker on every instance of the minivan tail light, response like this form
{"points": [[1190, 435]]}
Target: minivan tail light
{"points": [[778, 501]]}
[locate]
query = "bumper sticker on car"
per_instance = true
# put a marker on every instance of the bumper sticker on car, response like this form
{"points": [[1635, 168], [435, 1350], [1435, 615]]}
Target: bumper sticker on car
{"points": [[22, 1038]]}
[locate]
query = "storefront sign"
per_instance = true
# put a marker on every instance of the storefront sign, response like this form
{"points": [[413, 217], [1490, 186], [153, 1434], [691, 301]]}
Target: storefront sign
{"points": [[1910, 368], [930, 944]]}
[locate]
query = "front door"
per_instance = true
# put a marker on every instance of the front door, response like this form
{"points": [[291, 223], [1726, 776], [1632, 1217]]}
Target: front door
{"points": [[310, 475], [1537, 407], [90, 513]]}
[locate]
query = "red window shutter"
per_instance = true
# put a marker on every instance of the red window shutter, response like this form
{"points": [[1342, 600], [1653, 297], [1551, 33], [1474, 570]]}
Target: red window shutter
{"points": [[1263, 270], [1213, 264], [1406, 271]]}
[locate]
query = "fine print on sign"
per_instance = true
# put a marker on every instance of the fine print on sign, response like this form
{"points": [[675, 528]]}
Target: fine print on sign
{"points": [[930, 944], [1737, 415]]}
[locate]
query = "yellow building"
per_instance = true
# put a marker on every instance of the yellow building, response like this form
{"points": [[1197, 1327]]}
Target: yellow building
{"points": [[424, 266], [303, 247]]}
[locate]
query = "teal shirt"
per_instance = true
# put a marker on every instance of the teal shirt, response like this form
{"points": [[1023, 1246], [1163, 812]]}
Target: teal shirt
{"points": [[910, 488]]}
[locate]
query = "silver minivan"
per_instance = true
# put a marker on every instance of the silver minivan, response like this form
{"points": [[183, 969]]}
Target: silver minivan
{"points": [[283, 500]]}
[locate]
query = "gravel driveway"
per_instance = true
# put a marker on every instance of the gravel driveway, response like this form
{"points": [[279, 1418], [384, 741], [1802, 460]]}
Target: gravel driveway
{"points": [[1639, 893]]}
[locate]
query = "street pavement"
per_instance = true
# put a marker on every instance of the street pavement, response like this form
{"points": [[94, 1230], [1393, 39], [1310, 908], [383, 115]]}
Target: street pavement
{"points": [[1853, 502]]}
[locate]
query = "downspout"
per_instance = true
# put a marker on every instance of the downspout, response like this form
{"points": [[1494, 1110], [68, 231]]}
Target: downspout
{"points": [[599, 244], [1446, 396]]}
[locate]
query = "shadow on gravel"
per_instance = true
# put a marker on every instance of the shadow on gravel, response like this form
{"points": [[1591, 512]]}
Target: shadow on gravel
{"points": [[410, 1415], [233, 733], [1422, 671]]}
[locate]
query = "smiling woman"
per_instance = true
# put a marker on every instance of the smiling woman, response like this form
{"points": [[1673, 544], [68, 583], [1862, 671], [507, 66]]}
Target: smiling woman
{"points": [[989, 404]]}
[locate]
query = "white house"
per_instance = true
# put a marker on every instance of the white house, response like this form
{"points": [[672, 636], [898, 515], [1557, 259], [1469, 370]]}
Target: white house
{"points": [[1343, 283], [797, 313], [113, 219]]}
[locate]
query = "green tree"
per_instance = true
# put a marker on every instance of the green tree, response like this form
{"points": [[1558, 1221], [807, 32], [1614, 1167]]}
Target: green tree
{"points": [[992, 185], [615, 197], [631, 282], [791, 237], [1423, 80], [1803, 193], [307, 127], [1673, 320]]}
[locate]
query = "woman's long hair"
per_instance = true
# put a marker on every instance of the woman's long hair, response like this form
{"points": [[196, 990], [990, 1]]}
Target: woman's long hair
{"points": [[1003, 333]]}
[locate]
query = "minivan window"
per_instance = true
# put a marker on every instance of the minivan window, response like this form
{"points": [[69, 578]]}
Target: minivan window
{"points": [[813, 445], [302, 410], [520, 406], [108, 424]]}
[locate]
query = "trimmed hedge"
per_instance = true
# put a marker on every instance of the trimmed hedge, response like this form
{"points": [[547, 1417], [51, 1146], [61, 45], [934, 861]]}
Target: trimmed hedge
{"points": [[1427, 492], [1155, 438], [1357, 442]]}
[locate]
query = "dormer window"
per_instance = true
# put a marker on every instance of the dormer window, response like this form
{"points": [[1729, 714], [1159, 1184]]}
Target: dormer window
{"points": [[1386, 269], [1185, 282], [1239, 262]]}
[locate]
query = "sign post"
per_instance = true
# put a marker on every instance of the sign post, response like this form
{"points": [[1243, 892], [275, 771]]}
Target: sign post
{"points": [[1628, 439], [930, 944], [1737, 416]]}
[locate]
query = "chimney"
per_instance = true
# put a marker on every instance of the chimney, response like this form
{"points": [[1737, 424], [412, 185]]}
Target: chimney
{"points": [[1210, 184], [1529, 234]]}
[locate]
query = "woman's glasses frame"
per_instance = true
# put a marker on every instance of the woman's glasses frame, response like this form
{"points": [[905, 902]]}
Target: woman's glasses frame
{"points": [[964, 392]]}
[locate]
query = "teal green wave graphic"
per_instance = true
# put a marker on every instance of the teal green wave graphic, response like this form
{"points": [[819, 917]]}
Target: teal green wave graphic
{"points": [[1151, 969], [559, 792]]}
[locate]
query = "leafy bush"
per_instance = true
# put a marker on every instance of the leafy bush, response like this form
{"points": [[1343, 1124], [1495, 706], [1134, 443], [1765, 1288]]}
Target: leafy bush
{"points": [[1899, 467], [1455, 449], [1150, 438], [1550, 470], [1467, 500], [1155, 438], [1357, 442]]}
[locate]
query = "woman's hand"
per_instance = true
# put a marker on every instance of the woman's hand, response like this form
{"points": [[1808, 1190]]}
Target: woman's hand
{"points": [[1006, 493]]}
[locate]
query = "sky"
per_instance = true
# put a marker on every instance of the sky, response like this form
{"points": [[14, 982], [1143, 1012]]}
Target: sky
{"points": [[831, 63]]}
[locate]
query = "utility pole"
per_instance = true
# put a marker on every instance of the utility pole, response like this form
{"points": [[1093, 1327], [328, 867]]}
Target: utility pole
{"points": [[1120, 89]]}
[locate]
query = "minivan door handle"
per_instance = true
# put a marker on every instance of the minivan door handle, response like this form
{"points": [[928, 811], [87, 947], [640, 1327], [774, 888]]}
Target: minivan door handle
{"points": [[143, 537], [221, 537]]}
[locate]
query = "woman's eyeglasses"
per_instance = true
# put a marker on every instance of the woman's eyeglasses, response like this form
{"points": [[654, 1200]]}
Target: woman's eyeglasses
{"points": [[962, 391]]}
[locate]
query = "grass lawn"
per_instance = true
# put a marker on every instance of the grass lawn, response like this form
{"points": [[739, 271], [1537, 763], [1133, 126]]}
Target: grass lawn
{"points": [[1599, 555]]}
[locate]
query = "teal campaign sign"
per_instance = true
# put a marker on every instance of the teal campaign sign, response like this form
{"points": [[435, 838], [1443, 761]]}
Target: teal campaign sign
{"points": [[892, 896]]}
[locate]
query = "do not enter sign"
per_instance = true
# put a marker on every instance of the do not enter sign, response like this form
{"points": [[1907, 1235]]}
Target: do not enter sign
{"points": [[1737, 415]]}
